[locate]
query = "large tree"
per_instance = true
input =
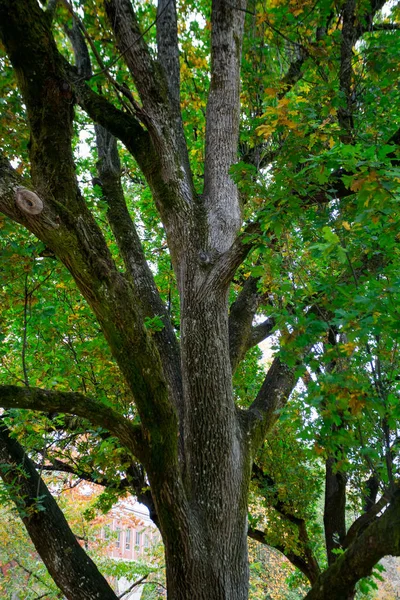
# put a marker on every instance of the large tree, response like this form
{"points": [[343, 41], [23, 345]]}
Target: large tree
{"points": [[268, 145]]}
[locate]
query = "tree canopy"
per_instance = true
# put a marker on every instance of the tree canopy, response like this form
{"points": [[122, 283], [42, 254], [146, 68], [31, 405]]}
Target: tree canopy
{"points": [[180, 182]]}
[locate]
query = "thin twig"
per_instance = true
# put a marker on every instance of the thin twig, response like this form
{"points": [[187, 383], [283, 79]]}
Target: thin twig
{"points": [[138, 582]]}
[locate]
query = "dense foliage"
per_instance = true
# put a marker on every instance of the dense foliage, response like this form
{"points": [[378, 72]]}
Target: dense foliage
{"points": [[253, 194]]}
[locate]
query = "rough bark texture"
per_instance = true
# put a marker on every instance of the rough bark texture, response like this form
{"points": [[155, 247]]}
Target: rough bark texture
{"points": [[71, 568], [197, 448], [379, 539]]}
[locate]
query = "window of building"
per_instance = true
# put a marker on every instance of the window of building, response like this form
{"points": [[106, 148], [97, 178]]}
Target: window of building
{"points": [[146, 541], [138, 538], [118, 540], [128, 539]]}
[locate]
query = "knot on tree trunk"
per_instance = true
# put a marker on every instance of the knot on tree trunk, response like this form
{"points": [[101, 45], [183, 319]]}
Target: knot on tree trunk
{"points": [[28, 201]]}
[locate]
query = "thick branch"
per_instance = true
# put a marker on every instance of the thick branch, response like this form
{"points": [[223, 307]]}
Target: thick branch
{"points": [[168, 50], [260, 332], [242, 336], [380, 538], [364, 520], [168, 58], [240, 320], [305, 559], [109, 169], [226, 265], [79, 578], [272, 397], [151, 85], [73, 403], [222, 124], [297, 561], [334, 509]]}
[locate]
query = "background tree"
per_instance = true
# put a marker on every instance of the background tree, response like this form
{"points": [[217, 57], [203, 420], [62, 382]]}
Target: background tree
{"points": [[274, 200]]}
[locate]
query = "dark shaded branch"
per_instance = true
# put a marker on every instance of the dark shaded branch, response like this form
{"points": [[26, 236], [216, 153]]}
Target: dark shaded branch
{"points": [[134, 481], [371, 492], [348, 38], [151, 86], [379, 539], [109, 170], [241, 317], [272, 397], [242, 336], [334, 509], [293, 74], [59, 466], [305, 559], [31, 574], [129, 435], [225, 267], [384, 27], [132, 587], [79, 578], [364, 520], [297, 560], [366, 22], [260, 332], [168, 50], [126, 127]]}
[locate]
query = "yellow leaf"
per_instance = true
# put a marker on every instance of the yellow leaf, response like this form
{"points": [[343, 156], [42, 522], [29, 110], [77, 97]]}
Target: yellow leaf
{"points": [[346, 225]]}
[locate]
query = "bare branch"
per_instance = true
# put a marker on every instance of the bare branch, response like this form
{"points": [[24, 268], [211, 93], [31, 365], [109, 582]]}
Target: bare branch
{"points": [[260, 332], [225, 266], [346, 70], [132, 587], [384, 27], [240, 319], [334, 509]]}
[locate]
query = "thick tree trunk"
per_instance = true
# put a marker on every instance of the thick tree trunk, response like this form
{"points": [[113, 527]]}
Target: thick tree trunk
{"points": [[215, 569]]}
